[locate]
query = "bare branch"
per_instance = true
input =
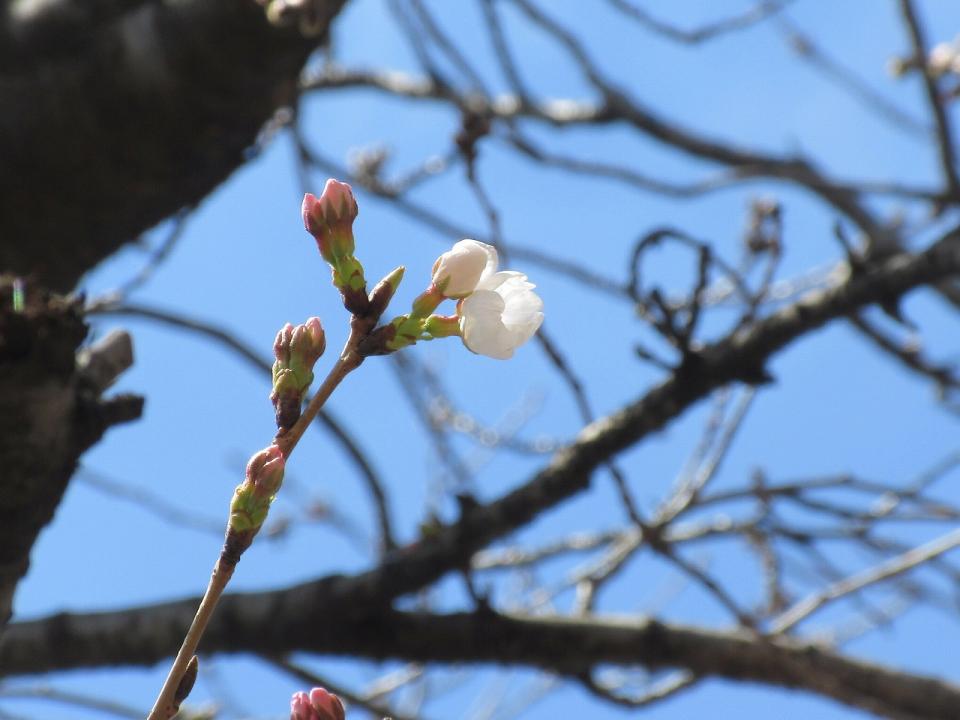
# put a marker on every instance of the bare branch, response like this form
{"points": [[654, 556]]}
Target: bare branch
{"points": [[855, 583], [758, 13], [144, 636], [942, 121]]}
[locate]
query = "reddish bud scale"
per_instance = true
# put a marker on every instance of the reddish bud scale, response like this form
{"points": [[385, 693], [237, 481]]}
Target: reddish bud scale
{"points": [[378, 342], [287, 408]]}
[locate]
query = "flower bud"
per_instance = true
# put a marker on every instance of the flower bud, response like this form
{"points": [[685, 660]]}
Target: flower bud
{"points": [[457, 272], [941, 58], [382, 294], [252, 498], [438, 326], [281, 345], [318, 705], [329, 219], [300, 708], [407, 329], [296, 350], [426, 302], [307, 343], [187, 681]]}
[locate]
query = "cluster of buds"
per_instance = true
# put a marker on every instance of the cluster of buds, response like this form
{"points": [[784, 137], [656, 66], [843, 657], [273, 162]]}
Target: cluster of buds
{"points": [[496, 312], [296, 350], [252, 499], [317, 705]]}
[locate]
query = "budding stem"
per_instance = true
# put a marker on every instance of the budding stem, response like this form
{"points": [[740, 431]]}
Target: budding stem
{"points": [[349, 361], [165, 706]]}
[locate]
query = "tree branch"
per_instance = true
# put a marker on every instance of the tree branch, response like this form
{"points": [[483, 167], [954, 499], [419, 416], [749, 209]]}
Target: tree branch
{"points": [[740, 357], [257, 623]]}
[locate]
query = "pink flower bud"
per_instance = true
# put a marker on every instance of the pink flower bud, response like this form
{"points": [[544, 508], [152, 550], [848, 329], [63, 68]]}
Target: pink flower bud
{"points": [[251, 500], [327, 705], [329, 219], [300, 708], [318, 705], [281, 345], [265, 471], [307, 343], [297, 350]]}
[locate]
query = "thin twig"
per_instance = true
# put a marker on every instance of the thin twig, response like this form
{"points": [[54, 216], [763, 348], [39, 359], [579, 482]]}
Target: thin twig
{"points": [[709, 31], [871, 576], [945, 141]]}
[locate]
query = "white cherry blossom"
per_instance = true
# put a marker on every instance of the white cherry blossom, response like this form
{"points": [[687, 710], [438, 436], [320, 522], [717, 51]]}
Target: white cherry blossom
{"points": [[501, 314], [457, 272]]}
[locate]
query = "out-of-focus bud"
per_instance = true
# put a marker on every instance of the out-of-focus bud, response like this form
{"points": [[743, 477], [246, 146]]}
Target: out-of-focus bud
{"points": [[300, 708], [383, 293], [252, 498], [296, 350], [941, 58], [457, 272], [327, 704], [317, 705], [897, 67]]}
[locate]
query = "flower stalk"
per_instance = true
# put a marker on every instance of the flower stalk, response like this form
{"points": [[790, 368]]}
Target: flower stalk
{"points": [[243, 527], [496, 312]]}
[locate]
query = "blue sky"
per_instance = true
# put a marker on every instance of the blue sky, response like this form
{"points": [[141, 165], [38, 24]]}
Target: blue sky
{"points": [[246, 264]]}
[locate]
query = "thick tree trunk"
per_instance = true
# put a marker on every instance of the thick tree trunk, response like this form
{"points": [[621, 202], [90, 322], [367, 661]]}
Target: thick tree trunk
{"points": [[115, 115], [50, 413]]}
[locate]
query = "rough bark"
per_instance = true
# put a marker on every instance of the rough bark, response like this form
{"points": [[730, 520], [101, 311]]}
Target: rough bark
{"points": [[113, 115], [50, 412], [117, 114]]}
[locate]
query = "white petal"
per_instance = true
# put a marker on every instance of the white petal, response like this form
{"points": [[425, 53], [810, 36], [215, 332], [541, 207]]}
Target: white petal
{"points": [[459, 269], [493, 261], [501, 315], [493, 281], [483, 331]]}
